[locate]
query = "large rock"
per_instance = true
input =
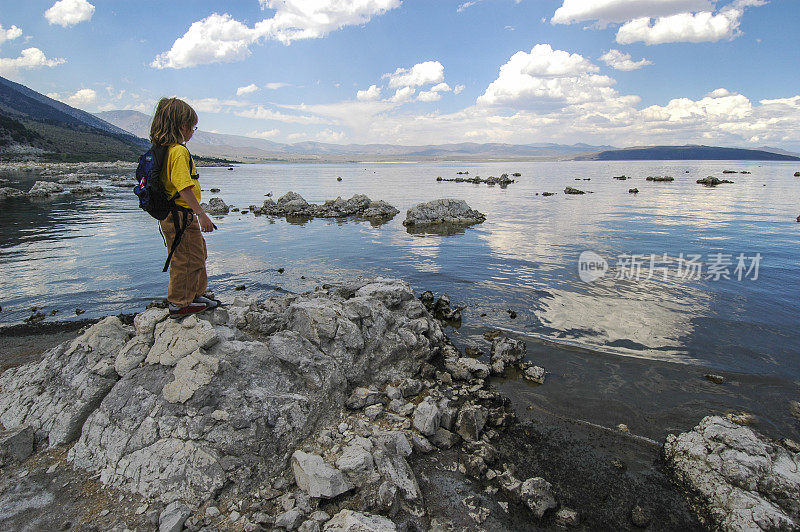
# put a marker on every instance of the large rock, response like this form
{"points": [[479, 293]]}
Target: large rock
{"points": [[317, 478], [56, 395], [427, 417], [42, 189], [742, 480], [350, 521], [537, 494], [215, 207], [506, 351], [293, 204], [443, 211], [229, 395], [15, 444], [470, 421], [173, 517]]}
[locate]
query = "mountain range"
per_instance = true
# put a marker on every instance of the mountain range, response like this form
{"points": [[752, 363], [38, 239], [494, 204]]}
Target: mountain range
{"points": [[32, 124], [35, 126]]}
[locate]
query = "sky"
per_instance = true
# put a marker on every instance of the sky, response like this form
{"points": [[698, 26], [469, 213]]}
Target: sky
{"points": [[601, 72]]}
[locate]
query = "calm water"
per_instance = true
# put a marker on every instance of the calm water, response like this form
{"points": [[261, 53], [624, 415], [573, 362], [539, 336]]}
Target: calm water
{"points": [[104, 255]]}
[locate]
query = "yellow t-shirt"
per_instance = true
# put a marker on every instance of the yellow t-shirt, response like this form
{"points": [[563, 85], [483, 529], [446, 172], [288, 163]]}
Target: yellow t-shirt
{"points": [[177, 172]]}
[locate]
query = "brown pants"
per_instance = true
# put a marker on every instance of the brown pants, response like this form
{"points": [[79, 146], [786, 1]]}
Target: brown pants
{"points": [[187, 270]]}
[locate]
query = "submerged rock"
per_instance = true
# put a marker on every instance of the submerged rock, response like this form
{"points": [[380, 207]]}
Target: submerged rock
{"points": [[712, 181], [85, 190], [8, 192], [503, 180], [42, 189], [742, 480], [293, 204], [443, 211]]}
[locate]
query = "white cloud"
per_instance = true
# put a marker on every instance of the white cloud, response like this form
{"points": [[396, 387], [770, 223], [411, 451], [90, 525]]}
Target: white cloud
{"points": [[268, 134], [30, 58], [263, 113], [79, 99], [466, 5], [622, 61], [372, 93], [275, 85], [686, 27], [11, 33], [547, 76], [69, 12], [429, 96], [403, 95], [605, 11], [330, 135], [221, 38], [420, 74], [247, 89], [216, 38], [459, 89], [434, 94]]}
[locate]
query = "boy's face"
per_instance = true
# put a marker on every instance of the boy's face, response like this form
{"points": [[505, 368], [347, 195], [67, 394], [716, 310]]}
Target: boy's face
{"points": [[187, 131]]}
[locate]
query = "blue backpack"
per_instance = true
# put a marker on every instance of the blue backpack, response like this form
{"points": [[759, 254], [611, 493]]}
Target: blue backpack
{"points": [[150, 190], [153, 197]]}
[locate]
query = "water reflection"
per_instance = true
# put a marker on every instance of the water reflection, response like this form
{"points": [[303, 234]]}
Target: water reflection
{"points": [[104, 254]]}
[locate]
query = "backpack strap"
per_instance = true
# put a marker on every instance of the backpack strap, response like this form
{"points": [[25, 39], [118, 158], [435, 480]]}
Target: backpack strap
{"points": [[179, 230]]}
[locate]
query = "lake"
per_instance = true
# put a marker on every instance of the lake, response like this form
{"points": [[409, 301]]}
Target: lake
{"points": [[631, 346]]}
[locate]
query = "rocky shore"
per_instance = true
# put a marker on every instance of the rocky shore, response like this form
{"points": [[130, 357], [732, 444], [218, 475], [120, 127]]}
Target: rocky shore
{"points": [[344, 408]]}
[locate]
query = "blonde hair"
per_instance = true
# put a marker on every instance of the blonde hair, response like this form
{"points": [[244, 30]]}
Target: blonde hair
{"points": [[171, 115]]}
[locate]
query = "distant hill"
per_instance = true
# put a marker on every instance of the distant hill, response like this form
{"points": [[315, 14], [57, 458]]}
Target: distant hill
{"points": [[689, 152], [255, 149], [31, 124]]}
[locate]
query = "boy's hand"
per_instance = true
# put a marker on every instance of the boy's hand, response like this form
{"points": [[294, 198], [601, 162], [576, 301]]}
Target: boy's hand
{"points": [[206, 225]]}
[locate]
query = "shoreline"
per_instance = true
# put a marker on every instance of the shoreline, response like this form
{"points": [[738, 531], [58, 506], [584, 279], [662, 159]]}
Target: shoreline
{"points": [[611, 478]]}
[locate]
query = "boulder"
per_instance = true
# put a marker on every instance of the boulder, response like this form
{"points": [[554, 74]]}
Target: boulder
{"points": [[56, 395], [230, 394], [534, 374], [571, 190], [470, 421], [215, 207], [317, 478], [660, 178], [505, 351], [443, 211], [351, 521], [15, 444], [290, 519], [426, 417], [173, 517], [741, 480], [537, 495]]}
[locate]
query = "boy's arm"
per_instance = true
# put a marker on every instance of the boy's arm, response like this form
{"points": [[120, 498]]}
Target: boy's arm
{"points": [[206, 225]]}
